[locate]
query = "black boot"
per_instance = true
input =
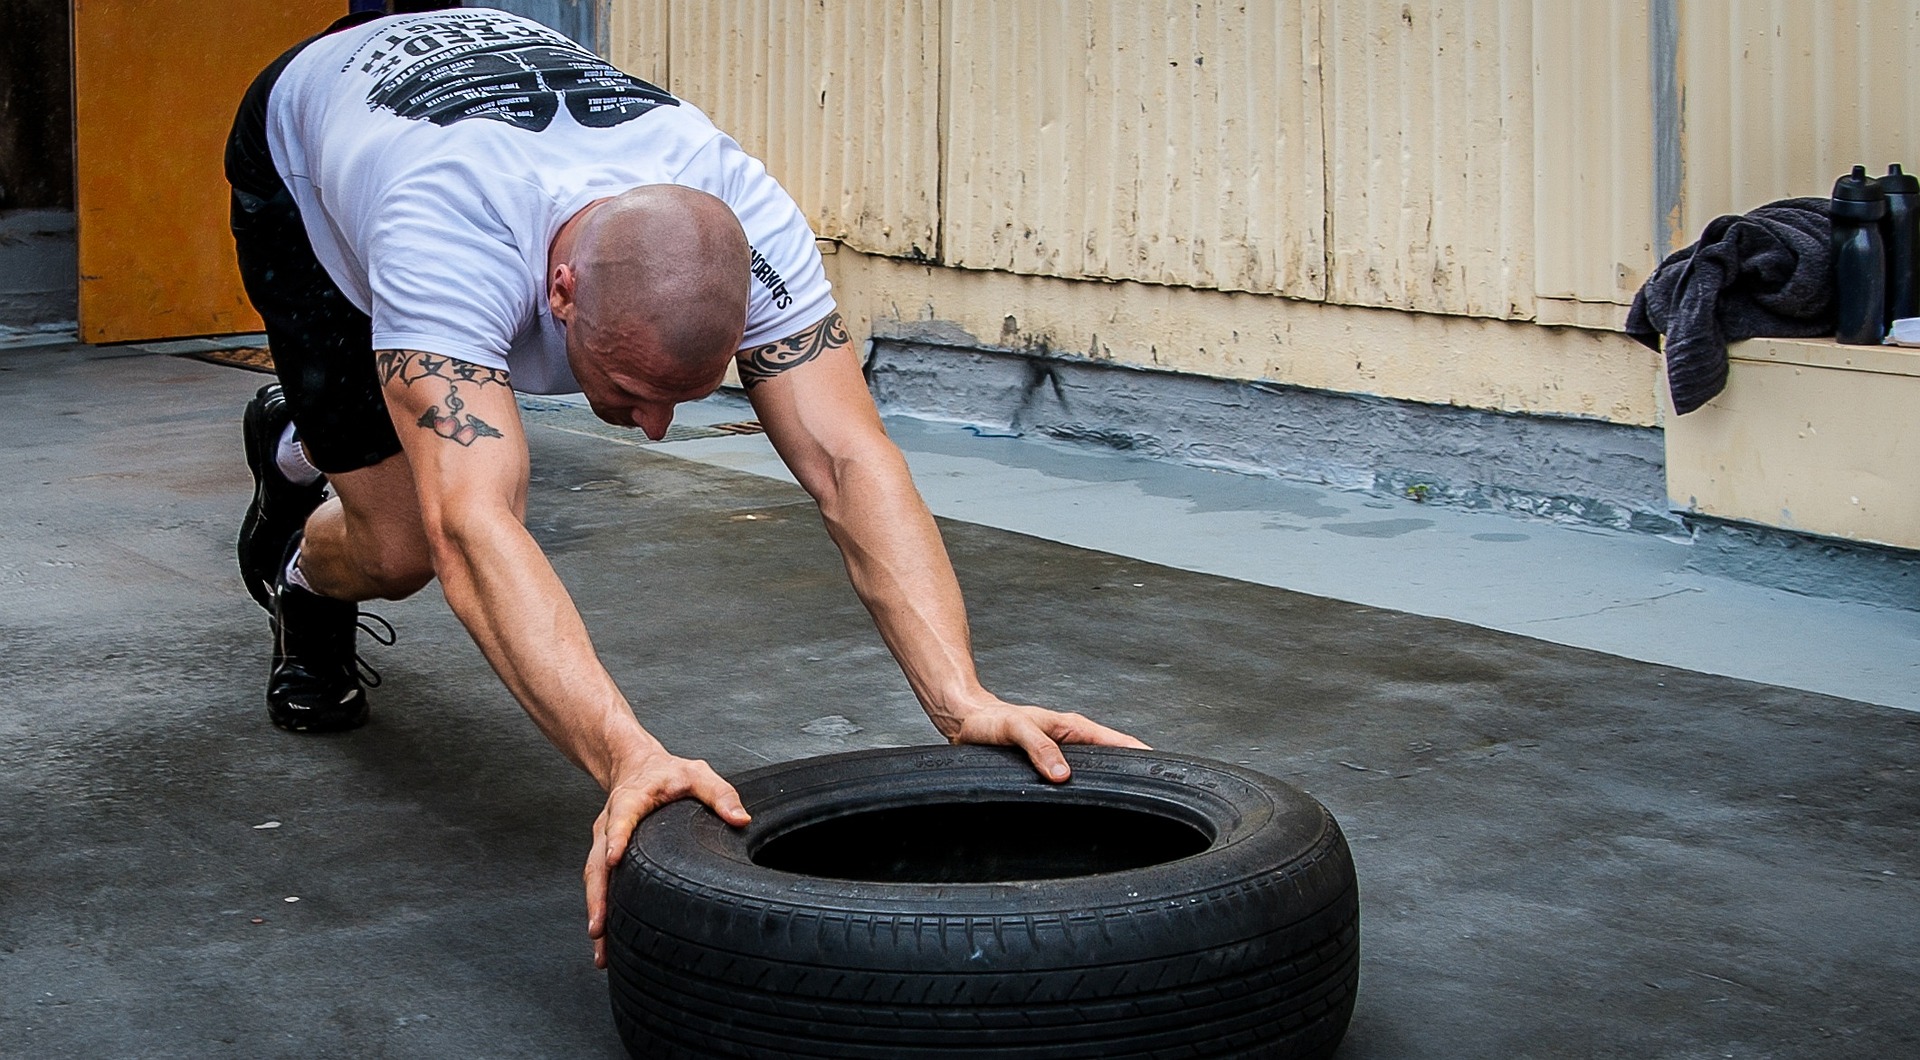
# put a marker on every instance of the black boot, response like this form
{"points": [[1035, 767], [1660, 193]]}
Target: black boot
{"points": [[316, 683]]}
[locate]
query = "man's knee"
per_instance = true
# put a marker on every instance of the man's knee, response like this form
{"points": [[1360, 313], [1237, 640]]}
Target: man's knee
{"points": [[381, 543], [397, 573]]}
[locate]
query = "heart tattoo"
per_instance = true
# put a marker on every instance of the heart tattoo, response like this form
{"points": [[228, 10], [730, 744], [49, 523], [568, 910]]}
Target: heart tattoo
{"points": [[409, 367], [450, 427]]}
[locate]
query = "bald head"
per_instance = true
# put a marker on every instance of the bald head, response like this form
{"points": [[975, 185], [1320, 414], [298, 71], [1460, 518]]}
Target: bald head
{"points": [[660, 277]]}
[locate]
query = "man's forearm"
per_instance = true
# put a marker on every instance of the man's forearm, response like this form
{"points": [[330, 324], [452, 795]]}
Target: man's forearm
{"points": [[506, 593], [821, 419], [899, 567]]}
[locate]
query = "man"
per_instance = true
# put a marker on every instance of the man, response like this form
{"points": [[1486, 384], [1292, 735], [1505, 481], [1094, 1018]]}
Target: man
{"points": [[433, 211]]}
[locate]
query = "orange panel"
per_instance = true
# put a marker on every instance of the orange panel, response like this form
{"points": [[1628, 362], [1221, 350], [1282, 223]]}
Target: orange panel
{"points": [[156, 83]]}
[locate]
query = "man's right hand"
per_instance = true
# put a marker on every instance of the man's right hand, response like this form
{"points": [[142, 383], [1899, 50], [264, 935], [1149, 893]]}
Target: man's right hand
{"points": [[649, 783], [467, 451]]}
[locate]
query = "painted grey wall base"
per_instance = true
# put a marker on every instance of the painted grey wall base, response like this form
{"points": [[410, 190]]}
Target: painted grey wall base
{"points": [[1806, 563], [39, 267], [1567, 469]]}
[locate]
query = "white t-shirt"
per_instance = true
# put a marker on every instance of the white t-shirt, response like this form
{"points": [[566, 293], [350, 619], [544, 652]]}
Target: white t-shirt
{"points": [[434, 156]]}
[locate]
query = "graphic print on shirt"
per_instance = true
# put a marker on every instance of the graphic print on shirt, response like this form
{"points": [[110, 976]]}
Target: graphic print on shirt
{"points": [[449, 68]]}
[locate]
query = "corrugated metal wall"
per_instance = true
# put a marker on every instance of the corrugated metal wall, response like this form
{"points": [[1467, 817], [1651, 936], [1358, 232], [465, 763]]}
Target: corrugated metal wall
{"points": [[1594, 189], [1185, 142], [1496, 158], [841, 99], [637, 33], [1164, 140], [1782, 96], [1430, 143]]}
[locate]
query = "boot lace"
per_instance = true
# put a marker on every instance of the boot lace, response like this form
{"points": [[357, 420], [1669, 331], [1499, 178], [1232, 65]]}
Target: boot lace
{"points": [[384, 636]]}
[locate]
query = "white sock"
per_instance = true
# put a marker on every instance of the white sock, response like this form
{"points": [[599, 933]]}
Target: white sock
{"points": [[294, 577], [292, 458]]}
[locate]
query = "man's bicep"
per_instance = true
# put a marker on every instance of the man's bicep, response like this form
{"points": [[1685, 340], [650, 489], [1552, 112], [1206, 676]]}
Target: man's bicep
{"points": [[812, 399], [458, 423], [437, 393], [764, 363]]}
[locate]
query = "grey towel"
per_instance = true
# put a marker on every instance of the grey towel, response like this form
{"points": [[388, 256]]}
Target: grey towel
{"points": [[1769, 272]]}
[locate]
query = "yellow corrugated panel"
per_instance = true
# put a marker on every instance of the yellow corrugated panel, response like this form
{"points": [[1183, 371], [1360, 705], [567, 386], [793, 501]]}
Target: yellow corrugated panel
{"points": [[839, 97], [1164, 141], [1594, 196], [1430, 140], [637, 32], [1782, 96]]}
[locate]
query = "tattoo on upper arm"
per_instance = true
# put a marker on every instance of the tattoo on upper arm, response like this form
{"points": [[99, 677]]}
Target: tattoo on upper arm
{"points": [[762, 363], [411, 368]]}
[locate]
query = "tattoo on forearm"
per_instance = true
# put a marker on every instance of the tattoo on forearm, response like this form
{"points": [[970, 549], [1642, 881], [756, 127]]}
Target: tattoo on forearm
{"points": [[411, 368], [764, 362]]}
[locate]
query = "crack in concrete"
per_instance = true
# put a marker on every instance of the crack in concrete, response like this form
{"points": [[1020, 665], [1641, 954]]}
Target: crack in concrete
{"points": [[1615, 607]]}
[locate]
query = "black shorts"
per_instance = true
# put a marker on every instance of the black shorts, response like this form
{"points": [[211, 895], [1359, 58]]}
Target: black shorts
{"points": [[322, 345]]}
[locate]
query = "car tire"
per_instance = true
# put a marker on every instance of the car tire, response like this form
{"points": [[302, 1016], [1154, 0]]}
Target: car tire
{"points": [[945, 902]]}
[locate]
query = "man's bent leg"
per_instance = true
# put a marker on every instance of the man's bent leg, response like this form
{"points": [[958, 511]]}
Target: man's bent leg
{"points": [[368, 541], [322, 346], [364, 542], [323, 355]]}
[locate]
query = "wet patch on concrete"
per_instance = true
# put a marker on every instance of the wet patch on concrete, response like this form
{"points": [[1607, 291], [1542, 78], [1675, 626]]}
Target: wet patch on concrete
{"points": [[1380, 528], [1230, 492]]}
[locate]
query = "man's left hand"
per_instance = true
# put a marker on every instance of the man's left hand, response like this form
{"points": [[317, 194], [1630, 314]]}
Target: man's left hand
{"points": [[1037, 731]]}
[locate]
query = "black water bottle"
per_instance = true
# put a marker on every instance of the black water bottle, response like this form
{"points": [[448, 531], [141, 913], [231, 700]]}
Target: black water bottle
{"points": [[1900, 235], [1859, 259]]}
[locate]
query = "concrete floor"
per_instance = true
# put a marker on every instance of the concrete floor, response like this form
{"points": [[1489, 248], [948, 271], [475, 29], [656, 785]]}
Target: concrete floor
{"points": [[1563, 851]]}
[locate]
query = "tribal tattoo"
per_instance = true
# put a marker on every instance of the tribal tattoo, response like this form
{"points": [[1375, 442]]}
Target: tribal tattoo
{"points": [[410, 367], [762, 363]]}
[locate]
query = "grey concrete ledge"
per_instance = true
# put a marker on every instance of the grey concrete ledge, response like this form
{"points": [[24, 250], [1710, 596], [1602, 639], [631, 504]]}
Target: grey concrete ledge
{"points": [[1567, 470], [1806, 563], [1560, 468]]}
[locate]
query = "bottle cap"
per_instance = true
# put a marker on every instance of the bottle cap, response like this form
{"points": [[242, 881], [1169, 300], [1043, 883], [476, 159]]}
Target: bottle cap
{"points": [[1899, 183], [1857, 197]]}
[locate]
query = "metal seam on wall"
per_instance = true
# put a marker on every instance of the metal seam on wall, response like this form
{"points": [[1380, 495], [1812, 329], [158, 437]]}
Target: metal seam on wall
{"points": [[1668, 177]]}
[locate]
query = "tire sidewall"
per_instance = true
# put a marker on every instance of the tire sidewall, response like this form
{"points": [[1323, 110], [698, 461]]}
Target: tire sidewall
{"points": [[1276, 857]]}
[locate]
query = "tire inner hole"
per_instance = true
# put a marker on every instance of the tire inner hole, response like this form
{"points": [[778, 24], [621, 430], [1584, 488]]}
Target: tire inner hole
{"points": [[981, 842]]}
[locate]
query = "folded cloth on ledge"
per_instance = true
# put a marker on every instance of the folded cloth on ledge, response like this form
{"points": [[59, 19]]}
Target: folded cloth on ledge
{"points": [[1904, 332], [1768, 272]]}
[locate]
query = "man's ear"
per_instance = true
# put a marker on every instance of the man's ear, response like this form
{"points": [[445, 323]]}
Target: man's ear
{"points": [[560, 292]]}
